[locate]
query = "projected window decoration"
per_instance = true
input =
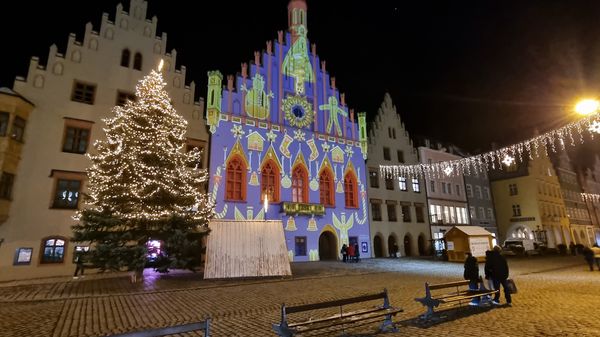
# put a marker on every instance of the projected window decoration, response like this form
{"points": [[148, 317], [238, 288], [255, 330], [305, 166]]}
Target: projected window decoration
{"points": [[298, 111]]}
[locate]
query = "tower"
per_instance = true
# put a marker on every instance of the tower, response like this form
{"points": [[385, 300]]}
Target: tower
{"points": [[362, 133], [213, 100], [297, 18]]}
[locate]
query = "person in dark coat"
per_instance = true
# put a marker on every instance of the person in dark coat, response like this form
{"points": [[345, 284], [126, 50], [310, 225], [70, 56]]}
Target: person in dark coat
{"points": [[472, 274], [356, 253], [344, 252], [572, 248], [498, 271], [79, 265], [588, 256]]}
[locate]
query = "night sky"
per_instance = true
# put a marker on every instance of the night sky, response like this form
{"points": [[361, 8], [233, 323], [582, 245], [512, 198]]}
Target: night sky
{"points": [[467, 72]]}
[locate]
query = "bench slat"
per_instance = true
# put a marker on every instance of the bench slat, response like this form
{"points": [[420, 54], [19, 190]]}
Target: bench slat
{"points": [[336, 303], [459, 298], [168, 331], [348, 320], [474, 293], [448, 285], [337, 316]]}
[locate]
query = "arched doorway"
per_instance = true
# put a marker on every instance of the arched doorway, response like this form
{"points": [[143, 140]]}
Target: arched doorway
{"points": [[392, 246], [407, 245], [421, 244], [327, 246], [377, 246]]}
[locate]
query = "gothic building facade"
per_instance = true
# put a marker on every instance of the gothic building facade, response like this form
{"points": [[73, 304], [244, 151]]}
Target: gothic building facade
{"points": [[281, 130]]}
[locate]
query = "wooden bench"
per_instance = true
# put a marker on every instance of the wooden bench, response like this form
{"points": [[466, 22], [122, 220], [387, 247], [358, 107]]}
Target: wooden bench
{"points": [[458, 295], [341, 319], [175, 329]]}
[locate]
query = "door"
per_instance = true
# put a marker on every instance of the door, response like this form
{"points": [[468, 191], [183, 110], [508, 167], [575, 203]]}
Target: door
{"points": [[327, 246], [407, 245]]}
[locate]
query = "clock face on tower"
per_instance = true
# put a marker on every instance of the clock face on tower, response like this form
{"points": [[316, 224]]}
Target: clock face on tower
{"points": [[298, 111]]}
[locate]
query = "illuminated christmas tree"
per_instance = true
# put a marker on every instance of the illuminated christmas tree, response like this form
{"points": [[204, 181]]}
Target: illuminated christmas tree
{"points": [[144, 186]]}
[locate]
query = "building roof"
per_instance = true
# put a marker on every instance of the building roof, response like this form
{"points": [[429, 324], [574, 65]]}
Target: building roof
{"points": [[8, 91], [471, 230]]}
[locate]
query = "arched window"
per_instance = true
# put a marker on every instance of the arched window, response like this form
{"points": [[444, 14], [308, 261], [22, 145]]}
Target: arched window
{"points": [[350, 191], [299, 184], [269, 182], [326, 188], [53, 250], [137, 61], [125, 55], [236, 183]]}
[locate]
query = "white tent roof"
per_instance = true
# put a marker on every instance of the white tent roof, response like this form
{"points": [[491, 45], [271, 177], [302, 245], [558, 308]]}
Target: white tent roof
{"points": [[471, 230]]}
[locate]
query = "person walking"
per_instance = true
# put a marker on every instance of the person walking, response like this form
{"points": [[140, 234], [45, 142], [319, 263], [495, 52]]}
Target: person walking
{"points": [[596, 251], [471, 273], [572, 248], [498, 270], [395, 249], [79, 265], [588, 256], [344, 252]]}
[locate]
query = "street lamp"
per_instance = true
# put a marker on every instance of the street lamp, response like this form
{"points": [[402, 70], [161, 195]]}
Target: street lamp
{"points": [[587, 107]]}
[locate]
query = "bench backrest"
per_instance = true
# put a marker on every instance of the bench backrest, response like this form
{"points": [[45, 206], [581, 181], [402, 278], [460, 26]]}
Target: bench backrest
{"points": [[448, 285], [176, 329], [337, 303]]}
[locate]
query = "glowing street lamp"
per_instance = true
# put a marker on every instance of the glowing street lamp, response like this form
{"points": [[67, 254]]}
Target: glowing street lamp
{"points": [[587, 106]]}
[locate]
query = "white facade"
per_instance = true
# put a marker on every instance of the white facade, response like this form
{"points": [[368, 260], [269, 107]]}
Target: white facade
{"points": [[590, 183], [446, 197], [72, 93], [398, 208]]}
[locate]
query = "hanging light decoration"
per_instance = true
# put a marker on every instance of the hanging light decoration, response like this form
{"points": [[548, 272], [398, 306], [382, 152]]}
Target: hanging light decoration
{"points": [[508, 160], [571, 133]]}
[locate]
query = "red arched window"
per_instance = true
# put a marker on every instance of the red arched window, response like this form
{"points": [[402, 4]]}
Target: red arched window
{"points": [[236, 180], [269, 182], [350, 191], [299, 184], [326, 188]]}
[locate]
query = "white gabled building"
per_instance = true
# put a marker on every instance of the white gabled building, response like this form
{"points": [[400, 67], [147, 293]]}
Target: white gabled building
{"points": [[71, 94], [398, 207], [446, 197]]}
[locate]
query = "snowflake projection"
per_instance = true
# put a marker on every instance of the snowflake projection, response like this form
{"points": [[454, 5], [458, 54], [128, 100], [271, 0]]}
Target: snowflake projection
{"points": [[349, 151], [237, 131], [326, 147], [595, 127], [271, 136], [299, 135], [448, 170], [508, 160]]}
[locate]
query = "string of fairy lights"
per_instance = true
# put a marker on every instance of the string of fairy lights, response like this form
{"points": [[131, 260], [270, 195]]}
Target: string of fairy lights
{"points": [[568, 135], [143, 161]]}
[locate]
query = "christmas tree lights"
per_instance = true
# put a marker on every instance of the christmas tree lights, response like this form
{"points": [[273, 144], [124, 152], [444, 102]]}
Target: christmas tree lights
{"points": [[141, 185]]}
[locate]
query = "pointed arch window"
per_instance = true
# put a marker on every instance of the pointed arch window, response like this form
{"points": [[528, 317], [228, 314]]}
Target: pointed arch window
{"points": [[326, 188], [350, 190], [270, 180], [125, 55], [235, 180], [137, 61], [299, 184]]}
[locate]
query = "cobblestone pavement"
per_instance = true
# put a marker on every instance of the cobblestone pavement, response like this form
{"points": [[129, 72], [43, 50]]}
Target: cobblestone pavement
{"points": [[557, 296]]}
